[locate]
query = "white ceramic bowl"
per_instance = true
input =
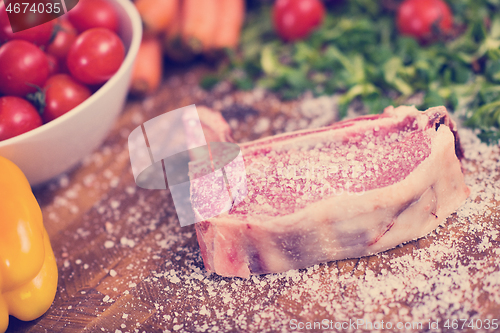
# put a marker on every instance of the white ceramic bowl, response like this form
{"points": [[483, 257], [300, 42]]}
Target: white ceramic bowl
{"points": [[55, 147]]}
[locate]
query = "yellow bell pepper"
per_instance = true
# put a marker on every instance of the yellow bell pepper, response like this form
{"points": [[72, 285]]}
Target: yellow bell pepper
{"points": [[28, 270]]}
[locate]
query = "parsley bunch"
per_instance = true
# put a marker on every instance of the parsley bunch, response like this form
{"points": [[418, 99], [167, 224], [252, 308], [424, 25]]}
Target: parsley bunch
{"points": [[359, 53]]}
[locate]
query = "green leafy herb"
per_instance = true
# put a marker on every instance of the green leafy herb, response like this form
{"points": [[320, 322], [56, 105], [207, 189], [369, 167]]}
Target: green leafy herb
{"points": [[358, 53]]}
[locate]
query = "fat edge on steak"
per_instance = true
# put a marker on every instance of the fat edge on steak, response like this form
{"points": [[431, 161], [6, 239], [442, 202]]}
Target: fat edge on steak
{"points": [[256, 238]]}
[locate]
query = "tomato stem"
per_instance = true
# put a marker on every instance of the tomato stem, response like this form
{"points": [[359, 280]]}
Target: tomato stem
{"points": [[37, 98]]}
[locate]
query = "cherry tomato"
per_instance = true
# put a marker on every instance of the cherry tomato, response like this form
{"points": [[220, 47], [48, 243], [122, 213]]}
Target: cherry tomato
{"points": [[296, 19], [95, 56], [23, 66], [17, 116], [64, 38], [39, 35], [420, 18], [89, 14], [62, 93]]}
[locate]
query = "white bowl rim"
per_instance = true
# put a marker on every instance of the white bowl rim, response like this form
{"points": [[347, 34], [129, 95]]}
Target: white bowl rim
{"points": [[135, 42]]}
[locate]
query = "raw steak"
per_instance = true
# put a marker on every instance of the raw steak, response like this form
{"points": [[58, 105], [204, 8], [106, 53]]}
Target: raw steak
{"points": [[352, 189]]}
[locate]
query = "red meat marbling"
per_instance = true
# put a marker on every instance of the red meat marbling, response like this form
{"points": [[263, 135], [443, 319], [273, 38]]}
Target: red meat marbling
{"points": [[352, 189]]}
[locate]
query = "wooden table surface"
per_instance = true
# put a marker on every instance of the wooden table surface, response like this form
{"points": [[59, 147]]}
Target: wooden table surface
{"points": [[125, 264]]}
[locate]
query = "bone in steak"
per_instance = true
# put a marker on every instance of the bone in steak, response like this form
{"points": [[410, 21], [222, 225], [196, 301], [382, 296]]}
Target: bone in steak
{"points": [[352, 189]]}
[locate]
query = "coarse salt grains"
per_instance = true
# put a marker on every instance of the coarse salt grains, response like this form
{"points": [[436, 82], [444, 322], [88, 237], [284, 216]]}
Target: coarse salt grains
{"points": [[439, 279]]}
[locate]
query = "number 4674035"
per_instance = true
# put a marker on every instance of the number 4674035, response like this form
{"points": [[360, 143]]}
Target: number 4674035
{"points": [[25, 7], [471, 323]]}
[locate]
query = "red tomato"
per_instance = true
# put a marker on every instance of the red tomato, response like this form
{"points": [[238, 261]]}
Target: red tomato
{"points": [[17, 116], [23, 66], [64, 38], [62, 93], [417, 17], [89, 14], [39, 35], [95, 56], [296, 19]]}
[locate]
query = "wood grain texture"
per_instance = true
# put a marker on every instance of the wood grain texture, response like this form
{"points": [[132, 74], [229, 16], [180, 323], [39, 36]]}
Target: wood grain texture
{"points": [[125, 263]]}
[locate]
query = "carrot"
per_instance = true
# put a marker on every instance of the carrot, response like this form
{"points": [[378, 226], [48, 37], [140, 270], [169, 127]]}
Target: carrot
{"points": [[148, 67], [173, 44], [230, 19], [157, 14], [173, 29], [199, 21]]}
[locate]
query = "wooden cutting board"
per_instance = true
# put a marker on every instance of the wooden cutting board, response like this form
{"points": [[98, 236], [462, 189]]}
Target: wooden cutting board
{"points": [[125, 264]]}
